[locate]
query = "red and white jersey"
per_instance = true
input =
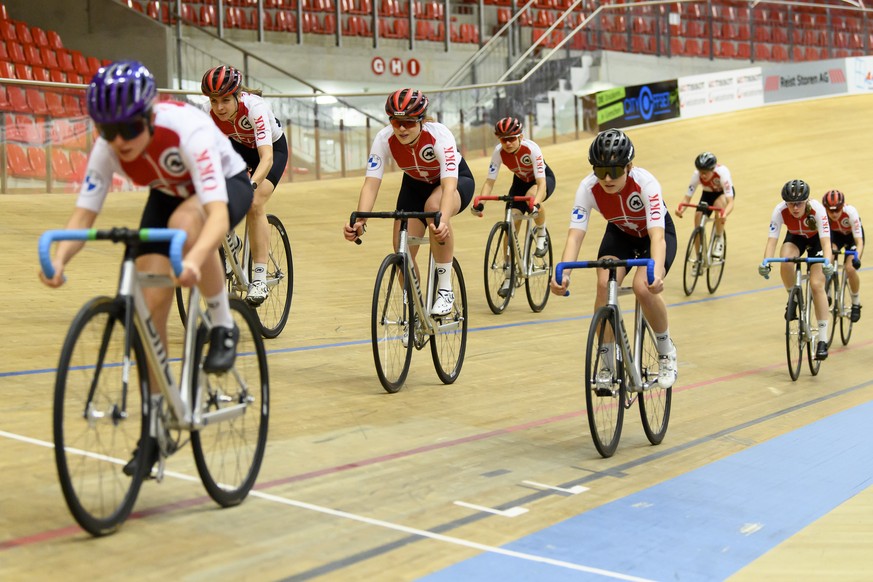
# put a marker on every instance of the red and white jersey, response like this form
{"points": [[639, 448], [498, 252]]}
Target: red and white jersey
{"points": [[720, 181], [432, 157], [527, 162], [254, 124], [187, 156], [799, 226], [637, 208], [849, 222]]}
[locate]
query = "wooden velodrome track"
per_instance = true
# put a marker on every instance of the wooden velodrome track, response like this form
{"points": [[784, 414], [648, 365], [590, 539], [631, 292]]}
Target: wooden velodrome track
{"points": [[358, 484]]}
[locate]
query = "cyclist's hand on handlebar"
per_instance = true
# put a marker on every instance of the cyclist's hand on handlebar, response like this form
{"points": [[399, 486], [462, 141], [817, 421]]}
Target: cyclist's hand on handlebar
{"points": [[536, 211], [680, 211], [828, 269], [190, 274], [58, 279], [656, 286], [856, 262], [764, 270], [560, 289], [478, 210], [353, 232], [441, 232]]}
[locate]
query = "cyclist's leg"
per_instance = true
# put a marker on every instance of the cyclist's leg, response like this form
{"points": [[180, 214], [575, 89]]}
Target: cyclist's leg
{"points": [[719, 202], [789, 250]]}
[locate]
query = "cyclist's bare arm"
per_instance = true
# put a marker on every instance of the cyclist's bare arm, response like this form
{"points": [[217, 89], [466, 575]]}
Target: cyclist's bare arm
{"points": [[575, 237], [366, 201]]}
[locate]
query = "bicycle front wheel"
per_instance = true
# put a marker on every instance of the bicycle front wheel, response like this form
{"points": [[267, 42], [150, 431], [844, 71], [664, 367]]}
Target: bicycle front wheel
{"points": [[229, 449], [808, 326], [99, 420], [273, 312], [845, 311], [539, 273], [605, 386], [794, 333], [716, 267], [392, 324], [655, 402], [834, 306], [693, 260], [499, 268], [449, 344]]}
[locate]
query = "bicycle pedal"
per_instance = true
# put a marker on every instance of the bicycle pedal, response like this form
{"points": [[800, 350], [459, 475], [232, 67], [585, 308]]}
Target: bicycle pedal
{"points": [[604, 392]]}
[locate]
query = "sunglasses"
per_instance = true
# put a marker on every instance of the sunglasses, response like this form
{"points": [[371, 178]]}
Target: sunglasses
{"points": [[404, 122], [127, 131], [612, 171]]}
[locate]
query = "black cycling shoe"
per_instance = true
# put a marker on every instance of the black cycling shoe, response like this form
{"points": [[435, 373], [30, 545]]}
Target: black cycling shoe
{"points": [[821, 351], [222, 349], [856, 313], [133, 464], [793, 314]]}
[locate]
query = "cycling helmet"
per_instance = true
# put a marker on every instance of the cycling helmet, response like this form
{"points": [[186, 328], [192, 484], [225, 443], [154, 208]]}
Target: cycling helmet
{"points": [[220, 81], [795, 191], [121, 92], [834, 200], [508, 127], [407, 103], [705, 161], [611, 148]]}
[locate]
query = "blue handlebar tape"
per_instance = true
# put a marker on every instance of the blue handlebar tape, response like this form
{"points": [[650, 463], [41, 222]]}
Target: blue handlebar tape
{"points": [[806, 260], [648, 263]]}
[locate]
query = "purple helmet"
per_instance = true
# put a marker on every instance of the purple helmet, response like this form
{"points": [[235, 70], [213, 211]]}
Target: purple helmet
{"points": [[120, 92]]}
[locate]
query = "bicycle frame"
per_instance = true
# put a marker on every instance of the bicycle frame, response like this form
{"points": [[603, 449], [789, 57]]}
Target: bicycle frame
{"points": [[185, 414], [524, 267], [702, 207], [631, 356]]}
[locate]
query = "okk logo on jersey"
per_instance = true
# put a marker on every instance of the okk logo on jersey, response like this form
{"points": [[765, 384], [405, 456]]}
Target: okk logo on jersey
{"points": [[526, 160], [579, 215], [172, 163], [245, 124], [428, 154], [635, 202], [374, 162]]}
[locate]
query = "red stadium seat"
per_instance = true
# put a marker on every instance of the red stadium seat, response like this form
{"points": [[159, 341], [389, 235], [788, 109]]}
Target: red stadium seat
{"points": [[23, 33], [62, 168], [54, 39], [49, 58], [55, 103], [36, 156], [17, 163]]}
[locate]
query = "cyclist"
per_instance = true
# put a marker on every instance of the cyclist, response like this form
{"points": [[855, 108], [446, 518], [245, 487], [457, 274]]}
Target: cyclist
{"points": [[247, 119], [718, 190], [809, 232], [435, 177], [196, 181], [639, 226], [531, 177], [846, 232]]}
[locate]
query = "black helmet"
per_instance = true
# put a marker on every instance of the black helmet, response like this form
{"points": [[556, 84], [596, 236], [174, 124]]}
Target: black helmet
{"points": [[611, 148], [795, 191], [705, 161]]}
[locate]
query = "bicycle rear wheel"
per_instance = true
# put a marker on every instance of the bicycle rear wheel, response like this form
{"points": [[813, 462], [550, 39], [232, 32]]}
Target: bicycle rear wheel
{"points": [[693, 260], [273, 312], [834, 306], [499, 266], [845, 311], [716, 268], [98, 422], [449, 344], [537, 282], [794, 333], [392, 321], [655, 402], [228, 451], [605, 386]]}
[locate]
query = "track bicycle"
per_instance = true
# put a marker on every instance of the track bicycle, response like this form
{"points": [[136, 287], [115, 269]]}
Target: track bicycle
{"points": [[700, 255], [102, 405], [799, 332], [616, 378], [272, 314], [401, 316], [840, 298], [506, 260]]}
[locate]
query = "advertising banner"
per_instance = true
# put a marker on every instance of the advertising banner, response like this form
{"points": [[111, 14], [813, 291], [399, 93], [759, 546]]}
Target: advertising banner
{"points": [[787, 81], [860, 73], [720, 92], [628, 106]]}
